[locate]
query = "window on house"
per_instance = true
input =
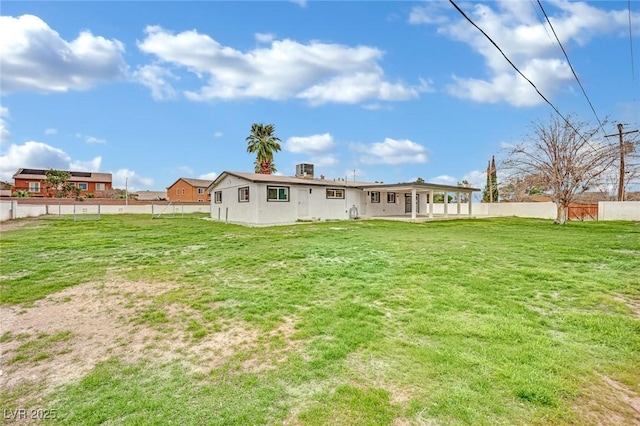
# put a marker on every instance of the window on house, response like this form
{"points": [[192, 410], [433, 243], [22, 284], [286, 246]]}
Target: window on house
{"points": [[182, 191], [34, 186], [83, 186], [277, 193], [391, 197], [375, 196], [200, 191], [335, 193], [101, 187], [177, 191], [243, 194], [217, 196]]}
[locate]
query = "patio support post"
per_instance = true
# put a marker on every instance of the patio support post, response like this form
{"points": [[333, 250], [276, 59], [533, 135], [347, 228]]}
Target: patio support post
{"points": [[446, 204], [414, 204], [431, 204]]}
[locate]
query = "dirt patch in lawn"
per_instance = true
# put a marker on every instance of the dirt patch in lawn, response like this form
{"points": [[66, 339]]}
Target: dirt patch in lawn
{"points": [[609, 402], [59, 339], [10, 225]]}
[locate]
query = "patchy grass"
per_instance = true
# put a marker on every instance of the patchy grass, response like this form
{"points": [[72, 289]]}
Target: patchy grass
{"points": [[502, 321]]}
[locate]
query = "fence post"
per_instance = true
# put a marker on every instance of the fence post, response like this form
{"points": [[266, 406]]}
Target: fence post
{"points": [[98, 210], [226, 215]]}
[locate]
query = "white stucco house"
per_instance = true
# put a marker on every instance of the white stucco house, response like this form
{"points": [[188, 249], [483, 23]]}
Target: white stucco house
{"points": [[258, 199]]}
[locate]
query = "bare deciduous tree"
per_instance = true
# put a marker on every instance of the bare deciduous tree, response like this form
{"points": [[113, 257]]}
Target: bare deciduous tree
{"points": [[565, 157], [522, 188]]}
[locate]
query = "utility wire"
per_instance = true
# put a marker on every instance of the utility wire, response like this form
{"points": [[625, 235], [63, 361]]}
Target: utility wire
{"points": [[521, 74], [571, 66], [541, 21]]}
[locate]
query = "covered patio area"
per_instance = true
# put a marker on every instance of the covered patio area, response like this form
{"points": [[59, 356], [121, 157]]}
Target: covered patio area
{"points": [[418, 200]]}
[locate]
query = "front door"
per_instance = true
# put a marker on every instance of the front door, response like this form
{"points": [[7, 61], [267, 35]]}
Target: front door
{"points": [[303, 202], [408, 205]]}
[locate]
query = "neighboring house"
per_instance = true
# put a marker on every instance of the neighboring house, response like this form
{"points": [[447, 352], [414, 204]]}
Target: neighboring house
{"points": [[33, 181], [5, 189], [258, 199], [189, 190], [150, 195]]}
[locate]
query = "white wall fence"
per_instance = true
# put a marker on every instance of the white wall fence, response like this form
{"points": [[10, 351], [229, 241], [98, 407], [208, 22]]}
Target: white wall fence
{"points": [[607, 210], [15, 210]]}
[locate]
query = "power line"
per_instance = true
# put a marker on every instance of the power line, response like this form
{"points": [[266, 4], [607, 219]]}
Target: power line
{"points": [[571, 66], [541, 21], [520, 72]]}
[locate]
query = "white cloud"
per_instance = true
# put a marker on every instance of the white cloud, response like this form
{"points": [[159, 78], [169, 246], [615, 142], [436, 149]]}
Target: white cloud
{"points": [[185, 170], [314, 144], [91, 139], [208, 176], [5, 134], [94, 140], [264, 37], [129, 179], [444, 180], [325, 160], [218, 134], [392, 151], [86, 166], [34, 57], [301, 3], [476, 178], [515, 27], [39, 155], [155, 78], [50, 131], [317, 72]]}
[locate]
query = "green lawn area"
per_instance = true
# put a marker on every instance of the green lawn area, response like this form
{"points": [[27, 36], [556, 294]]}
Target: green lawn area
{"points": [[494, 321]]}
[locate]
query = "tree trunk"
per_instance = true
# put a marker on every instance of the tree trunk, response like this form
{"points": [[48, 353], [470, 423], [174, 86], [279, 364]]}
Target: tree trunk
{"points": [[264, 168], [561, 215]]}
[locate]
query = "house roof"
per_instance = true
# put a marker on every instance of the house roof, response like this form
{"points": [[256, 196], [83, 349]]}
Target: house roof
{"points": [[257, 177], [150, 195], [204, 183], [41, 174]]}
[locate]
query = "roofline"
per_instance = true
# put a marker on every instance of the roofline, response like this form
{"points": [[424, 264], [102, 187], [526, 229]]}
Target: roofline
{"points": [[342, 184]]}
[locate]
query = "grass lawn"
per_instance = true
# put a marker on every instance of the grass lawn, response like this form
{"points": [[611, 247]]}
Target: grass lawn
{"points": [[130, 320]]}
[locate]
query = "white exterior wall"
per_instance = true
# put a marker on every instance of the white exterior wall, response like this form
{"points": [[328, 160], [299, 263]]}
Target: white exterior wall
{"points": [[616, 210], [230, 210]]}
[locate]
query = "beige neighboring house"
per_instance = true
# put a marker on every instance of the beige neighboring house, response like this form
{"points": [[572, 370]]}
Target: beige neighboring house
{"points": [[5, 189], [151, 195]]}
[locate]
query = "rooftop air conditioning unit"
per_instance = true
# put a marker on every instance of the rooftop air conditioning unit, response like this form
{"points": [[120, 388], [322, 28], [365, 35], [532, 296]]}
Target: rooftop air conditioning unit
{"points": [[304, 171]]}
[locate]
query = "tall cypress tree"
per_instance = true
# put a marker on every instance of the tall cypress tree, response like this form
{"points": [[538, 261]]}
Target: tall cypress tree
{"points": [[490, 193], [494, 179]]}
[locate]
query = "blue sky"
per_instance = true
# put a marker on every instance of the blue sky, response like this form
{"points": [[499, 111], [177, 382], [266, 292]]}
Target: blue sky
{"points": [[390, 91]]}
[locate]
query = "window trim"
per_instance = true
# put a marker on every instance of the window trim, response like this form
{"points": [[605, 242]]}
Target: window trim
{"points": [[35, 185], [240, 192], [335, 196], [375, 197], [100, 186], [200, 191], [389, 196], [85, 184], [278, 188], [217, 197]]}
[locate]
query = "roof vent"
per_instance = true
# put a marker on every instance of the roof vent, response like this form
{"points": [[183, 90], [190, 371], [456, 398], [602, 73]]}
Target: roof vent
{"points": [[304, 171]]}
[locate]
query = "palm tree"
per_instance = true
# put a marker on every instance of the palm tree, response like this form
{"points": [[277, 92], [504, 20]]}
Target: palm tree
{"points": [[263, 143]]}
